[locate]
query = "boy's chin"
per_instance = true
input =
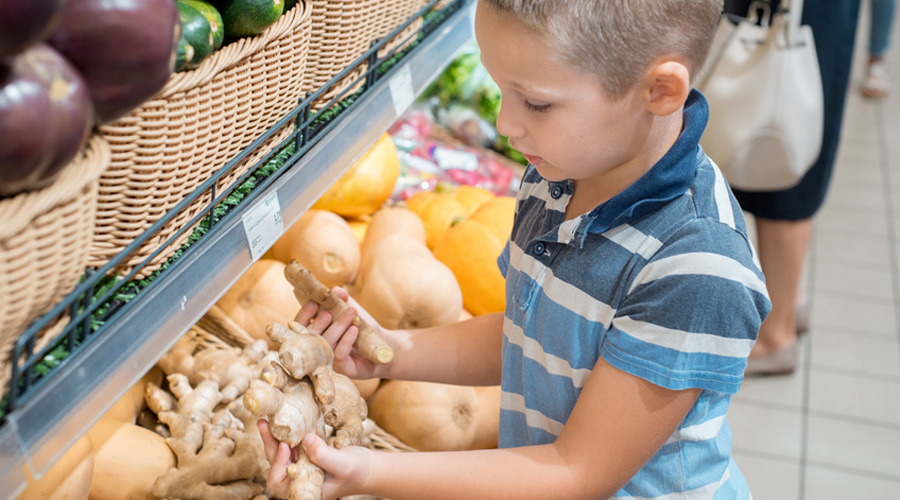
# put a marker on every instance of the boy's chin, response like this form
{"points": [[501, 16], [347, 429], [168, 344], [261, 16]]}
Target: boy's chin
{"points": [[550, 173]]}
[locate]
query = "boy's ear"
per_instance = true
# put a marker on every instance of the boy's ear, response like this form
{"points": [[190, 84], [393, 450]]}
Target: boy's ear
{"points": [[666, 87]]}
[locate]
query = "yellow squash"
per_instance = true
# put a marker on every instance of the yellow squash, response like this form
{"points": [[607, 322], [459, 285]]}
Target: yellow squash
{"points": [[438, 209], [367, 184], [470, 249]]}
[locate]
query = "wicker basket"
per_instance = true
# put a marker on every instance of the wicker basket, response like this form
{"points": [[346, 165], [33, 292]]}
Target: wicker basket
{"points": [[45, 239], [343, 30], [196, 124]]}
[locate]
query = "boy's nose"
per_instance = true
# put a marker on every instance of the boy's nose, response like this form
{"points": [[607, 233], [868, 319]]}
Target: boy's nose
{"points": [[507, 124]]}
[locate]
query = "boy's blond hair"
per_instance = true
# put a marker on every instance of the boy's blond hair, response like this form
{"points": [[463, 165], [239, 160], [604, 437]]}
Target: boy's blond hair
{"points": [[617, 39]]}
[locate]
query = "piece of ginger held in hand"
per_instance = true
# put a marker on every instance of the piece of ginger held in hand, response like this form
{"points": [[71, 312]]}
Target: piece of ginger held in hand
{"points": [[306, 287], [298, 395]]}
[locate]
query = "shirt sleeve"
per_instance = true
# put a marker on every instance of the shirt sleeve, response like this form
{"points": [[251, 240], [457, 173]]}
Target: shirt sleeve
{"points": [[503, 260], [692, 312]]}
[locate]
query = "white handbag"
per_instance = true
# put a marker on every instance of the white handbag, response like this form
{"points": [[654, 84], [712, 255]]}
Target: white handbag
{"points": [[764, 90]]}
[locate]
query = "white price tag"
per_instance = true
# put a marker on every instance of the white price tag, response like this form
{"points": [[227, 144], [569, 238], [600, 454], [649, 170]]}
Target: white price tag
{"points": [[402, 89], [263, 225], [460, 160]]}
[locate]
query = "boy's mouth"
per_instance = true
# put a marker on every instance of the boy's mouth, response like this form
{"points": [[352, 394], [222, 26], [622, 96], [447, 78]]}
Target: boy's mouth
{"points": [[534, 160]]}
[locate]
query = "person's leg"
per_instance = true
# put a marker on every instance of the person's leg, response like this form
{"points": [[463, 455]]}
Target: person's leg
{"points": [[782, 247], [882, 20], [877, 83]]}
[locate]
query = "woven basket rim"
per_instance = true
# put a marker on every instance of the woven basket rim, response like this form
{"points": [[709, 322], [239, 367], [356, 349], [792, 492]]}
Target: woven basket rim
{"points": [[19, 211], [233, 53]]}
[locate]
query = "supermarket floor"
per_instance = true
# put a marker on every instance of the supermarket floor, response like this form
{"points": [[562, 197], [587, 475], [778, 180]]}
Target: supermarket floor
{"points": [[832, 429]]}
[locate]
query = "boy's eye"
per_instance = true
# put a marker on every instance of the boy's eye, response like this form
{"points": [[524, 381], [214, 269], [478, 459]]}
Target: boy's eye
{"points": [[536, 107]]}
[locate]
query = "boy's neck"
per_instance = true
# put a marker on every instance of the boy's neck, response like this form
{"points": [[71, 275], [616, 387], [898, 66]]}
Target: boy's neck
{"points": [[592, 192]]}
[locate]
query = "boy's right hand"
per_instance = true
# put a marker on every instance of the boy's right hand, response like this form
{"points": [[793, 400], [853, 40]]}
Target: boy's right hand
{"points": [[341, 334]]}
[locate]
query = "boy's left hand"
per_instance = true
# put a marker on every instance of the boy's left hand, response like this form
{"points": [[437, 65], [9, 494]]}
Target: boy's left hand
{"points": [[346, 469]]}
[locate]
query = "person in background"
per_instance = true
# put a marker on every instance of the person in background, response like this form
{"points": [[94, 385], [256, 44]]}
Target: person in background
{"points": [[784, 218], [633, 297], [877, 84]]}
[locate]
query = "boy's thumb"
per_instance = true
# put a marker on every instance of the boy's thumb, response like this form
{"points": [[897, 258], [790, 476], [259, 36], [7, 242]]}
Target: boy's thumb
{"points": [[318, 451]]}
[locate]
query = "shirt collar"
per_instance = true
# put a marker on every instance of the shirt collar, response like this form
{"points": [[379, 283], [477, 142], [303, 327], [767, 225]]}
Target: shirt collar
{"points": [[668, 179]]}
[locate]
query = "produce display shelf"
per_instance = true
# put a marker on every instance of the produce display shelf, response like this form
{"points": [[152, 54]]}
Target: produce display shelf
{"points": [[63, 407]]}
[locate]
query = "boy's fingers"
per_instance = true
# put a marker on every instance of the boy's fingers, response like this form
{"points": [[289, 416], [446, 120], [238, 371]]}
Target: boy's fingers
{"points": [[339, 326], [340, 292], [278, 480], [345, 345], [306, 312], [320, 323], [269, 441]]}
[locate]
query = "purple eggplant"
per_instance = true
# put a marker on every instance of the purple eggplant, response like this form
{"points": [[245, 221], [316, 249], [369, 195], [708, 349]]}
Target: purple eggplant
{"points": [[24, 23], [45, 118], [124, 49]]}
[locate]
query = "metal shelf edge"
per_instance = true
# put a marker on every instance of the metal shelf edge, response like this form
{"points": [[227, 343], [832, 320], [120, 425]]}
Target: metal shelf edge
{"points": [[40, 431]]}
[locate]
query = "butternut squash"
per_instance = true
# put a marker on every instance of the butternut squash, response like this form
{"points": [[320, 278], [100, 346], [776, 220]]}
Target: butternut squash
{"points": [[426, 415], [367, 184], [367, 387], [390, 220], [129, 406], [127, 460], [487, 418], [324, 243], [259, 297], [408, 288], [67, 479]]}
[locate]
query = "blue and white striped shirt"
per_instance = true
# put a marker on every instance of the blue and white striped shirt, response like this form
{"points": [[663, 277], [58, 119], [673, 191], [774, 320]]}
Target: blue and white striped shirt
{"points": [[663, 282]]}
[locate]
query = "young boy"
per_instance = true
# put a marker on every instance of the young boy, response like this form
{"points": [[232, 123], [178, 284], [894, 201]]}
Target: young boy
{"points": [[633, 296]]}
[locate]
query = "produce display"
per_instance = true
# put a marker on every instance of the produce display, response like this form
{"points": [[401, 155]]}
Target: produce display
{"points": [[414, 252], [431, 155]]}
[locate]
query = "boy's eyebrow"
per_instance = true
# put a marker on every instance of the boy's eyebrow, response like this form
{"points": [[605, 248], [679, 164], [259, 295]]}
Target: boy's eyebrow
{"points": [[547, 92]]}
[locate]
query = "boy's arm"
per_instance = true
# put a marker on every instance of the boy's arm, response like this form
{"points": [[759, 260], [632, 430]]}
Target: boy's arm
{"points": [[618, 424], [464, 353]]}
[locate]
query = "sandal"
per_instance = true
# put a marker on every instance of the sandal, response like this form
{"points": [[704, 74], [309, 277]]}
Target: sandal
{"points": [[780, 362], [877, 84]]}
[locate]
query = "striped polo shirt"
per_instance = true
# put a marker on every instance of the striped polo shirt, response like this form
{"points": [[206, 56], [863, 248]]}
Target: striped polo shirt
{"points": [[663, 282]]}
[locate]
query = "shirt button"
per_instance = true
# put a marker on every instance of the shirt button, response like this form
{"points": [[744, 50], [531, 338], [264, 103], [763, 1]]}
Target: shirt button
{"points": [[556, 192], [539, 248]]}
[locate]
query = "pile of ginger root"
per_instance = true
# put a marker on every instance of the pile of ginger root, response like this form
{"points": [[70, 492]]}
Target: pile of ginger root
{"points": [[212, 398]]}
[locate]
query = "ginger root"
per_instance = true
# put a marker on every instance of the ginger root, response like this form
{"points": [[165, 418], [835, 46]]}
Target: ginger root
{"points": [[346, 414], [231, 370], [307, 287], [215, 458], [292, 413], [305, 354], [302, 394]]}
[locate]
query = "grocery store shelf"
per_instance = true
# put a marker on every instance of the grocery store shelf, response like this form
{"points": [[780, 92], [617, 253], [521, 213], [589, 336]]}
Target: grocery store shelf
{"points": [[64, 408]]}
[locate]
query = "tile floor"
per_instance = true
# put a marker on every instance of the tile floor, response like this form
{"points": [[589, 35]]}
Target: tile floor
{"points": [[832, 429]]}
